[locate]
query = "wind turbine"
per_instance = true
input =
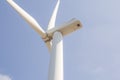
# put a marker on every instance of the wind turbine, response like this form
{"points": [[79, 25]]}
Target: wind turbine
{"points": [[53, 38]]}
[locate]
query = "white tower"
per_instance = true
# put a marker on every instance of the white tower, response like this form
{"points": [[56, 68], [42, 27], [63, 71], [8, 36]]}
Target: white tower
{"points": [[53, 38]]}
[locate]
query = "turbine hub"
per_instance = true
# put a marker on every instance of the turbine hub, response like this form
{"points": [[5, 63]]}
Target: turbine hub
{"points": [[47, 38]]}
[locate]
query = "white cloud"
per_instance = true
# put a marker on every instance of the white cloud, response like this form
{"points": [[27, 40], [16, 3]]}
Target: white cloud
{"points": [[4, 77]]}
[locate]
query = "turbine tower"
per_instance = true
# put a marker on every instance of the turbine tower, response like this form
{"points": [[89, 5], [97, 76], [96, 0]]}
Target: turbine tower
{"points": [[53, 38]]}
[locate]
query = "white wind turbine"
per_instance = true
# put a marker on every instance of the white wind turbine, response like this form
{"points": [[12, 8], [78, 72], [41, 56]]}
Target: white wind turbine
{"points": [[53, 38]]}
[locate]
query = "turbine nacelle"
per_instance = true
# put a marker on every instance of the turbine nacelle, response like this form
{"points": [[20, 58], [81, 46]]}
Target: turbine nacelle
{"points": [[66, 28]]}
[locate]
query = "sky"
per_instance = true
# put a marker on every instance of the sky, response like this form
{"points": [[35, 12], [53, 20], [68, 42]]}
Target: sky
{"points": [[91, 53]]}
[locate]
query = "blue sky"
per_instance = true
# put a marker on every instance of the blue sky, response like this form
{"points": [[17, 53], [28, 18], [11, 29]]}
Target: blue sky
{"points": [[91, 53]]}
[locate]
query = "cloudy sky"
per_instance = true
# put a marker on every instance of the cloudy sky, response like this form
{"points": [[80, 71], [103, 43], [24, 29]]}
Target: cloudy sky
{"points": [[92, 53], [4, 77]]}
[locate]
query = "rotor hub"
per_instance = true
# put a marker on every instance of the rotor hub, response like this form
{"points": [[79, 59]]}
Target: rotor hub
{"points": [[47, 38]]}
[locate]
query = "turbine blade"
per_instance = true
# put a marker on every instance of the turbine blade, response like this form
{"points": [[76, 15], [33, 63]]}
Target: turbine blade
{"points": [[48, 44], [53, 17], [28, 18]]}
